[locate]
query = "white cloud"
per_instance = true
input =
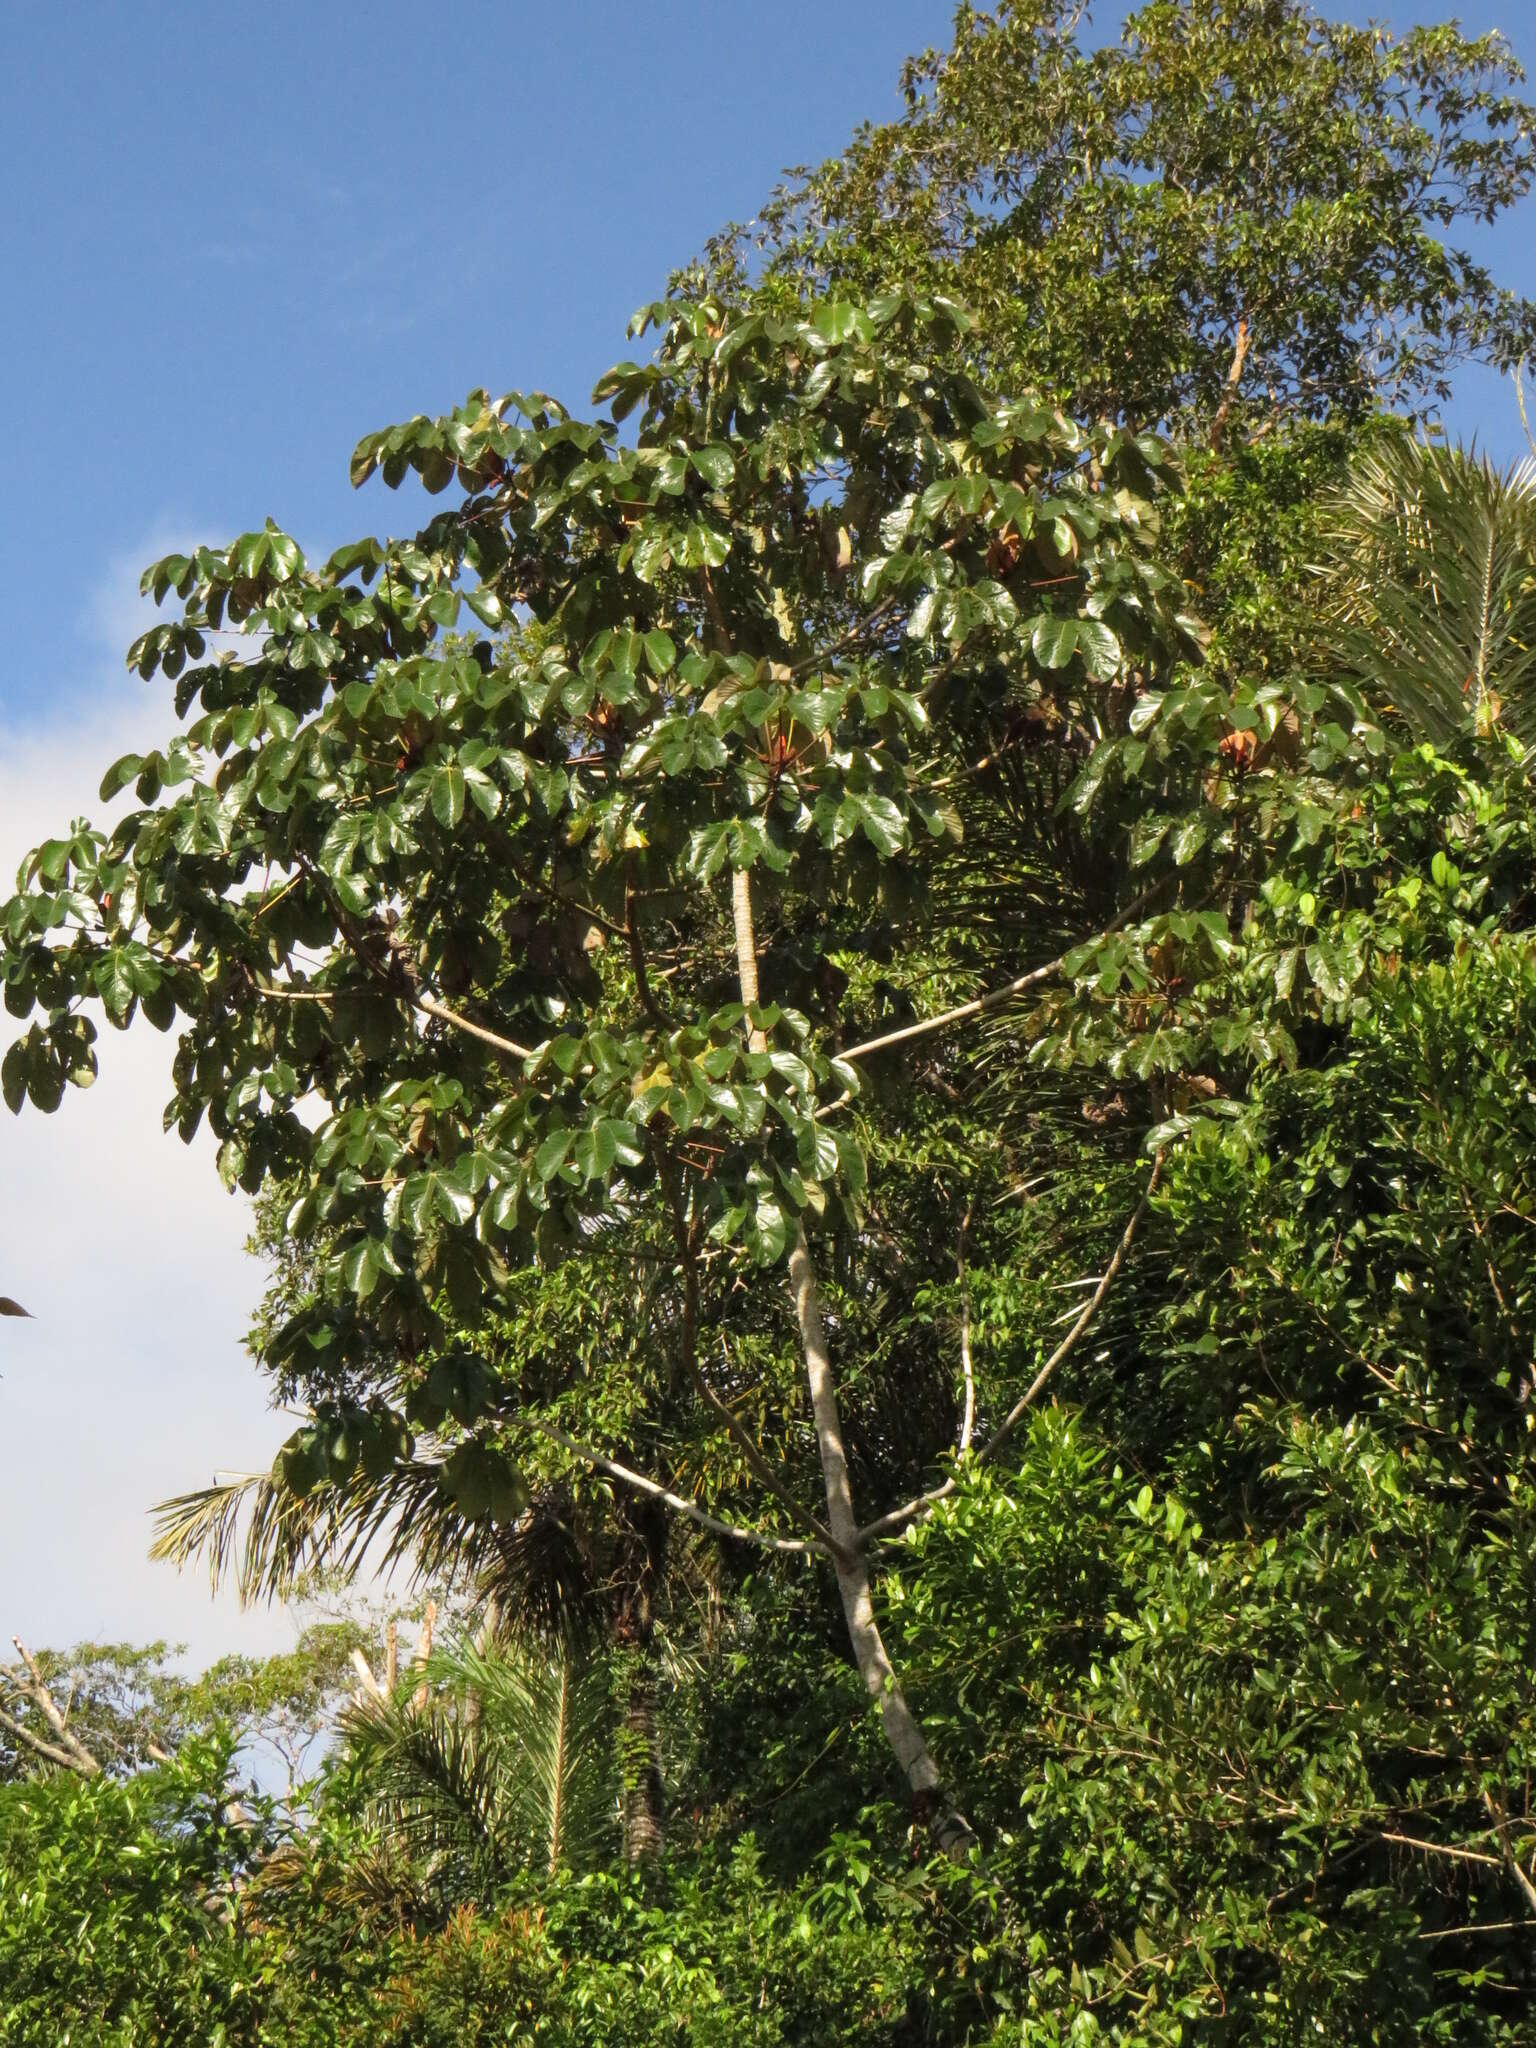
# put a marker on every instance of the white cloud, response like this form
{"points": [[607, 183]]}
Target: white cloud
{"points": [[131, 1383]]}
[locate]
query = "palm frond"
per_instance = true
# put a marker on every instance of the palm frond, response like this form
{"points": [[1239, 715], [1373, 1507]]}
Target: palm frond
{"points": [[541, 1574], [1431, 604], [527, 1779], [267, 1537], [430, 1784]]}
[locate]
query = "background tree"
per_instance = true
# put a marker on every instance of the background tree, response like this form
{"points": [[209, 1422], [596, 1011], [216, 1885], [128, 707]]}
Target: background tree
{"points": [[1243, 221], [1240, 213], [115, 1707]]}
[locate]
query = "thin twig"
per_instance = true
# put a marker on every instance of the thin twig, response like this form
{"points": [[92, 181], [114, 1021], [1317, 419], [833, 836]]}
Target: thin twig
{"points": [[273, 994], [824, 656], [968, 1419], [1090, 1309], [1472, 1927]]}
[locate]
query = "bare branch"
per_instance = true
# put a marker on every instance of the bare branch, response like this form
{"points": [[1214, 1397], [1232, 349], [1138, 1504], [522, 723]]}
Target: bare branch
{"points": [[788, 1545], [927, 1025], [958, 1015], [1500, 1820], [1229, 389], [1472, 1927], [36, 1690], [741, 1437], [433, 1008], [968, 1419], [410, 993], [643, 989], [429, 1005], [370, 1686], [1440, 1849], [949, 1827], [1090, 1309], [46, 1750], [423, 1655], [899, 1517]]}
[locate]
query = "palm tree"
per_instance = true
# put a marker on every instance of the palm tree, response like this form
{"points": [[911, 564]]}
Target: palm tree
{"points": [[1429, 607], [564, 1584], [490, 1760]]}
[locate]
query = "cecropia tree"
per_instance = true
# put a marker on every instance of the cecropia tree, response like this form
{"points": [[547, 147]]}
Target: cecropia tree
{"points": [[471, 934]]}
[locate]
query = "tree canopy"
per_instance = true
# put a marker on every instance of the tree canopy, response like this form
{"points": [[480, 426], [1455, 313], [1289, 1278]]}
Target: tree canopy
{"points": [[877, 1005], [1238, 210]]}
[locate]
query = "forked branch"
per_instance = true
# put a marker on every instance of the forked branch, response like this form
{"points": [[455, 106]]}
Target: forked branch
{"points": [[65, 1749], [898, 1518]]}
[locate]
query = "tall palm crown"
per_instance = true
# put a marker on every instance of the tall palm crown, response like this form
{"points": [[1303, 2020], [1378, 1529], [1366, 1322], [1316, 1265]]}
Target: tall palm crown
{"points": [[492, 1760], [1431, 609]]}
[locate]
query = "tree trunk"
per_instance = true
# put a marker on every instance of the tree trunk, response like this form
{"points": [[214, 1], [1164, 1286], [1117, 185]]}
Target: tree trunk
{"points": [[644, 1785], [645, 1831], [561, 1764], [485, 1642], [930, 1804]]}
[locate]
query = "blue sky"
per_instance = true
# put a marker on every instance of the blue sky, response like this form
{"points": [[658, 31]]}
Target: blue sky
{"points": [[235, 241], [232, 241]]}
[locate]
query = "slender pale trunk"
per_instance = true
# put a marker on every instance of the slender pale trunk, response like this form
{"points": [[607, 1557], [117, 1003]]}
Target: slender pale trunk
{"points": [[485, 1643], [950, 1829], [557, 1777]]}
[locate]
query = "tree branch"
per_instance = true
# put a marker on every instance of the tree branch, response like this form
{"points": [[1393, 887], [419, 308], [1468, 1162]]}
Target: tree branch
{"points": [[687, 1253], [1497, 1815], [741, 1437], [46, 1750], [957, 1015], [431, 1007], [410, 993], [1229, 389], [990, 1001], [1090, 1309], [643, 989], [899, 1517], [968, 1419], [1440, 1849], [824, 656], [789, 1546], [84, 1764], [949, 1827]]}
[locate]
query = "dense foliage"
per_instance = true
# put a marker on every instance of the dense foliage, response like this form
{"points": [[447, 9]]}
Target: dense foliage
{"points": [[1240, 210], [883, 1031]]}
